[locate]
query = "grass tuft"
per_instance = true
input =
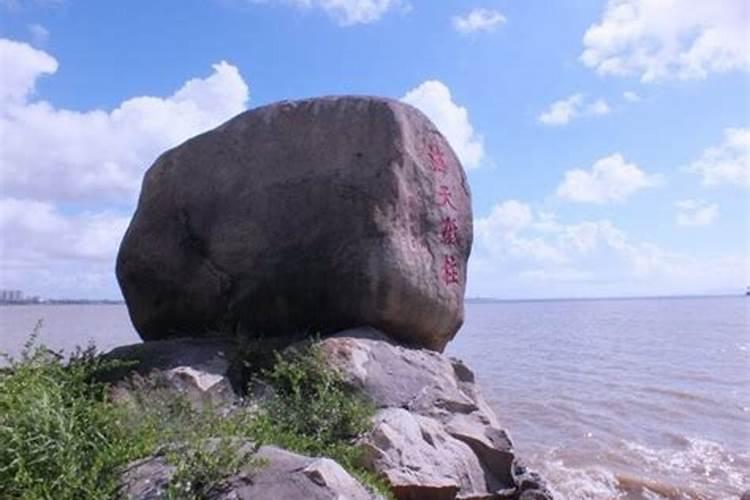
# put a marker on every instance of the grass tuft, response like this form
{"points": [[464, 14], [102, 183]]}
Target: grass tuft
{"points": [[62, 437]]}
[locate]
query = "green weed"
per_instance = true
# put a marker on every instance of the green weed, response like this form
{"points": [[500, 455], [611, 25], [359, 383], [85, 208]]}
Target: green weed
{"points": [[62, 437]]}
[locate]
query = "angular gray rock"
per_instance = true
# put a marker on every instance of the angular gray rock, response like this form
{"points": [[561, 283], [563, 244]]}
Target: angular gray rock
{"points": [[316, 215], [206, 372], [273, 474], [419, 459], [289, 475], [434, 436]]}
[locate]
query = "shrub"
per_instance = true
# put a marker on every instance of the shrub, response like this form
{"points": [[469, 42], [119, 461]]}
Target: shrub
{"points": [[59, 435], [62, 437], [312, 410]]}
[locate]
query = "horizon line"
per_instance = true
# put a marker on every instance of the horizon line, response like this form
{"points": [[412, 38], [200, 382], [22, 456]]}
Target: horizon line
{"points": [[474, 298]]}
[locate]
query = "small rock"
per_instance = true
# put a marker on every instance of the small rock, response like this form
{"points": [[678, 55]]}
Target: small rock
{"points": [[146, 479], [419, 459], [274, 474], [203, 371], [284, 474]]}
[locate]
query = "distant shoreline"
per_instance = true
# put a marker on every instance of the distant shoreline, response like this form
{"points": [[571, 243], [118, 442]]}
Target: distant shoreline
{"points": [[470, 300], [487, 300], [64, 302]]}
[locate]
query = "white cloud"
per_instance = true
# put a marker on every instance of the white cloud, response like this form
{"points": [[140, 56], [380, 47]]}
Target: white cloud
{"points": [[58, 154], [611, 179], [39, 34], [660, 39], [727, 163], [500, 230], [41, 231], [562, 111], [22, 66], [565, 110], [631, 96], [351, 12], [598, 107], [70, 177], [696, 212], [509, 216], [478, 19], [521, 252], [45, 251], [434, 99]]}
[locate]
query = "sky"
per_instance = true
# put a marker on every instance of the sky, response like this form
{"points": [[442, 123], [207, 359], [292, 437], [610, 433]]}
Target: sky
{"points": [[607, 143]]}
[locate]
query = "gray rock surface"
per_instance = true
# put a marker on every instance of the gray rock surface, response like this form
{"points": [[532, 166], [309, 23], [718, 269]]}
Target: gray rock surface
{"points": [[434, 436], [322, 214], [419, 459], [204, 371], [273, 474]]}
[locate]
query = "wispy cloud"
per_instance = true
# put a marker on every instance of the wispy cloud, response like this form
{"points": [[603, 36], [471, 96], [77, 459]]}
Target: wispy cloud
{"points": [[631, 96], [610, 179], [696, 212], [520, 250], [39, 34], [479, 19], [728, 162], [347, 12], [658, 40], [574, 106]]}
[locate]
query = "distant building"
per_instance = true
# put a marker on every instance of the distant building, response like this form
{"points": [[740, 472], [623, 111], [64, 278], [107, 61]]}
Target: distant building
{"points": [[11, 296]]}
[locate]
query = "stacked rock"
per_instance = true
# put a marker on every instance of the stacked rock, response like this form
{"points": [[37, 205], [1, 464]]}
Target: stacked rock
{"points": [[344, 217], [315, 215]]}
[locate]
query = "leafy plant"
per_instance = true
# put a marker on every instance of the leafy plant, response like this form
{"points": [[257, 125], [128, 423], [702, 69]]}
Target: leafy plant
{"points": [[63, 437], [312, 403], [313, 411], [60, 436], [201, 467]]}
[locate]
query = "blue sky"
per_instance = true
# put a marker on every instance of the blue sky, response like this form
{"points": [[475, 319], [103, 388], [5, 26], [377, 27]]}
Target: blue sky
{"points": [[607, 143]]}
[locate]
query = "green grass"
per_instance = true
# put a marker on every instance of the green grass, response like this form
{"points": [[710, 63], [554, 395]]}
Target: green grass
{"points": [[61, 437], [314, 412]]}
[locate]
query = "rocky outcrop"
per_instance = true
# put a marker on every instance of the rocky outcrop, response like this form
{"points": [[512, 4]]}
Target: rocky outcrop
{"points": [[318, 215], [433, 436], [271, 473], [340, 214]]}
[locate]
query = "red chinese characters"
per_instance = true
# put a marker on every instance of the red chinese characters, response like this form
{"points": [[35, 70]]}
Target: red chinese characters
{"points": [[436, 158], [445, 197], [449, 231], [450, 270]]}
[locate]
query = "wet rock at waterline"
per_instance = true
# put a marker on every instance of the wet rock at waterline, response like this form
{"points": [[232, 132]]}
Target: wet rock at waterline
{"points": [[314, 215], [433, 436]]}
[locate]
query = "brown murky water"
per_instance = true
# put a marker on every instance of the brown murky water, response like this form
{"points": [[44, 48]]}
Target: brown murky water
{"points": [[637, 398]]}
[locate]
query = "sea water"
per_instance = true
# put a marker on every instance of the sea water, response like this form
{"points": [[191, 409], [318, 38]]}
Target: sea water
{"points": [[617, 398]]}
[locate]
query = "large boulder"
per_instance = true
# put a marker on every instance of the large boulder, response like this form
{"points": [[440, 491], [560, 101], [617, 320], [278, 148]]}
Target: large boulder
{"points": [[313, 215]]}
